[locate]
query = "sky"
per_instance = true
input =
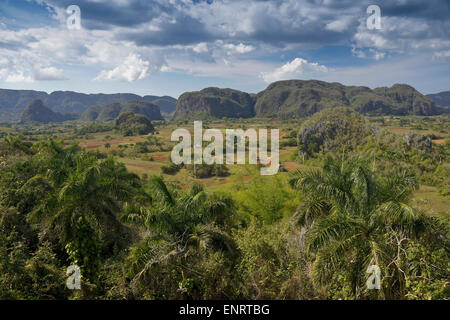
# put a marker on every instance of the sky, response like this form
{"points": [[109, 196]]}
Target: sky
{"points": [[167, 47]]}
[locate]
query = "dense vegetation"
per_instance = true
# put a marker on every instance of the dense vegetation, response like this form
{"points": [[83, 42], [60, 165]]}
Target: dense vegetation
{"points": [[307, 234]]}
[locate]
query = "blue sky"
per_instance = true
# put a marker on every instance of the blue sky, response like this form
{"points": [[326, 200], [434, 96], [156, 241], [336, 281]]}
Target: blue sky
{"points": [[163, 47]]}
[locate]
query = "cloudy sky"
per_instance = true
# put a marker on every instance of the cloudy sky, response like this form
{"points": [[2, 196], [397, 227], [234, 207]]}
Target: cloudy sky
{"points": [[167, 47]]}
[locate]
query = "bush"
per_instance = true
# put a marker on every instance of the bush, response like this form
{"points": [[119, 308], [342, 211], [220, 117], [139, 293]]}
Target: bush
{"points": [[134, 124], [202, 171], [171, 169]]}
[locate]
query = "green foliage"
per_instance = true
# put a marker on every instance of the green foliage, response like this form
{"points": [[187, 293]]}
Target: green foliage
{"points": [[185, 229], [131, 124], [172, 168], [272, 264], [93, 128], [84, 249], [335, 129], [355, 219], [266, 199], [202, 171], [427, 272]]}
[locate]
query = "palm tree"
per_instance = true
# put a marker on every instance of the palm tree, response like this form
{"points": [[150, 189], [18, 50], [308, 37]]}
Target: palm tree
{"points": [[85, 201], [181, 226], [178, 214], [18, 143], [353, 219]]}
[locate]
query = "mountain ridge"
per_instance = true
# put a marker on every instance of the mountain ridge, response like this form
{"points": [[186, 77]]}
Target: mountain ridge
{"points": [[14, 102], [287, 98], [300, 98], [441, 98], [110, 112]]}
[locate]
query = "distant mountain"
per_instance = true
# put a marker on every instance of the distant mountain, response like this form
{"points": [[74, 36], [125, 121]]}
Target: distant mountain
{"points": [[36, 111], [214, 103], [299, 98], [112, 111], [167, 106], [13, 102], [303, 98], [441, 99]]}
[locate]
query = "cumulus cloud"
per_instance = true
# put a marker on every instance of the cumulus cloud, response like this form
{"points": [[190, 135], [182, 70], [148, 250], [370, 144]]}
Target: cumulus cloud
{"points": [[294, 69], [132, 69], [18, 77]]}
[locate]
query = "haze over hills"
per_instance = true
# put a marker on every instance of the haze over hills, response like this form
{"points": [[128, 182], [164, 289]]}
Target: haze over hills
{"points": [[441, 98], [13, 102], [294, 98], [112, 111]]}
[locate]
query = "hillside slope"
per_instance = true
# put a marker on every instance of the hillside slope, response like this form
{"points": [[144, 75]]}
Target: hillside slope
{"points": [[214, 103], [36, 111], [112, 111], [441, 99]]}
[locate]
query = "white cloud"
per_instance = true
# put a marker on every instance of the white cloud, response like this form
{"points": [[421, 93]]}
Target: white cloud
{"points": [[49, 73], [240, 48], [339, 25], [132, 69], [442, 54], [18, 77], [402, 35], [201, 48], [294, 69], [377, 55]]}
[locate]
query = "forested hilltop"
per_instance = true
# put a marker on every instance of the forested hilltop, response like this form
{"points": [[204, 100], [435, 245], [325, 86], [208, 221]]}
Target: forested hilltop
{"points": [[352, 191]]}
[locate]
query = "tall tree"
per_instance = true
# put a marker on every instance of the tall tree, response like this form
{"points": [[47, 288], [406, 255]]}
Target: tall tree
{"points": [[353, 219]]}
